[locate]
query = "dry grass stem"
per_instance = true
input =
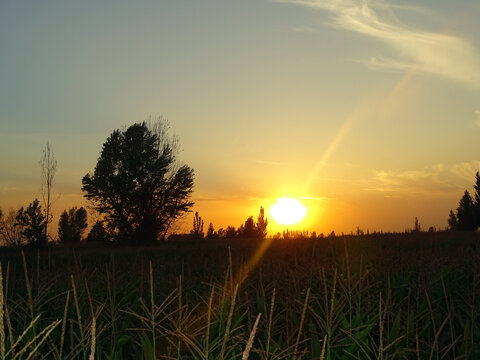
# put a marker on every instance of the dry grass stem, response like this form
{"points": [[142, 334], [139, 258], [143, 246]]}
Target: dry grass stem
{"points": [[270, 319], [93, 343], [77, 305], [64, 324], [209, 316], [246, 352], [324, 345], [28, 285], [229, 323], [304, 311]]}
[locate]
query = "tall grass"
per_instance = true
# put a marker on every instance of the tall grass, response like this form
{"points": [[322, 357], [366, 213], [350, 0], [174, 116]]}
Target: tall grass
{"points": [[375, 297]]}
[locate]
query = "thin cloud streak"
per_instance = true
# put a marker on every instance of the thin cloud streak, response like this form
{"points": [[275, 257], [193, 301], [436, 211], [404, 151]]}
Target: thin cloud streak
{"points": [[439, 54], [435, 179]]}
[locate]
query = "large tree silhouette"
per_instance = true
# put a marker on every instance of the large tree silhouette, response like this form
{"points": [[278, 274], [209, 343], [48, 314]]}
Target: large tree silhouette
{"points": [[138, 185]]}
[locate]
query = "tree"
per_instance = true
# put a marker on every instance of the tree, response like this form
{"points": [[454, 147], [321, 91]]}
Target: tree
{"points": [[477, 189], [72, 225], [417, 228], [48, 164], [249, 229], [452, 221], [262, 223], [466, 213], [221, 233], [210, 231], [197, 230], [231, 232], [476, 200], [34, 223], [138, 185], [10, 231], [98, 233]]}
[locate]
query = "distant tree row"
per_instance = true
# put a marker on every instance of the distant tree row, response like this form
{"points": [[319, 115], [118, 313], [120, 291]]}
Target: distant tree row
{"points": [[467, 216], [26, 226], [250, 229]]}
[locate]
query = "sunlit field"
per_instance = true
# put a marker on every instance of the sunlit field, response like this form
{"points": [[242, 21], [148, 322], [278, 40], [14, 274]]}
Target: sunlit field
{"points": [[398, 296]]}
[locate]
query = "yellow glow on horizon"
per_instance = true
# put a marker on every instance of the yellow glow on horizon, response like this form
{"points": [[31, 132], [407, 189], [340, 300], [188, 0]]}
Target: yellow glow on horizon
{"points": [[287, 211]]}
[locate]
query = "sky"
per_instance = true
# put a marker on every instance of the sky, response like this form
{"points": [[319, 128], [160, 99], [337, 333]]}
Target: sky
{"points": [[367, 111]]}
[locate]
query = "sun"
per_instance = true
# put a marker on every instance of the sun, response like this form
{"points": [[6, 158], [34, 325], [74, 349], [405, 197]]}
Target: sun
{"points": [[287, 211]]}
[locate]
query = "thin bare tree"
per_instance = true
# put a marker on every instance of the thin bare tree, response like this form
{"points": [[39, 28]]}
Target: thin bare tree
{"points": [[48, 165], [10, 230]]}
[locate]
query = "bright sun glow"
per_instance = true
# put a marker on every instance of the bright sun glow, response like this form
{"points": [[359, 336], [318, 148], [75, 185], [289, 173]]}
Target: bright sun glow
{"points": [[288, 211]]}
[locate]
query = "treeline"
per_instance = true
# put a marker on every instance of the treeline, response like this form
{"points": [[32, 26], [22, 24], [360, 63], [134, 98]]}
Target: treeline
{"points": [[249, 229], [26, 226], [467, 215]]}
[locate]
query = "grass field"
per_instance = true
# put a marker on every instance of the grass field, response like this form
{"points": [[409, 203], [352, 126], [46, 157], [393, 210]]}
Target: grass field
{"points": [[403, 296]]}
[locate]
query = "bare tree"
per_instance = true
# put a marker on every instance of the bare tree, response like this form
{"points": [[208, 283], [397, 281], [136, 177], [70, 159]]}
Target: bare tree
{"points": [[10, 230], [48, 165]]}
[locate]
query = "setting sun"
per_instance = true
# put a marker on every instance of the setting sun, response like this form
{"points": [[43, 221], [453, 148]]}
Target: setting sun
{"points": [[287, 211]]}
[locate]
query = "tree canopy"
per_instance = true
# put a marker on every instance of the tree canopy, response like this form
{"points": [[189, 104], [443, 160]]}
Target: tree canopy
{"points": [[467, 216], [138, 185], [33, 223], [72, 225]]}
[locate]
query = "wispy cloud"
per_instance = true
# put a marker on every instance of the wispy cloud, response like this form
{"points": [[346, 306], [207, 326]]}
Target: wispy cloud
{"points": [[436, 53], [304, 29], [435, 179]]}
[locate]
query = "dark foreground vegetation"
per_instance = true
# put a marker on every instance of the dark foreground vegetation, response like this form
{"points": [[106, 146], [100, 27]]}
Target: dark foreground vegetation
{"points": [[405, 296]]}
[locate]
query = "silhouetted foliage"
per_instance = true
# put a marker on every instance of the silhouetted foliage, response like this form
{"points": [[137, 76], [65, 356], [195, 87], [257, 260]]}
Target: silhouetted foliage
{"points": [[33, 222], [240, 231], [452, 221], [416, 227], [252, 229], [477, 188], [10, 230], [295, 234], [137, 184], [249, 228], [466, 212], [211, 231], [98, 233], [467, 217], [359, 232], [221, 233], [231, 232], [72, 225], [197, 230], [262, 223]]}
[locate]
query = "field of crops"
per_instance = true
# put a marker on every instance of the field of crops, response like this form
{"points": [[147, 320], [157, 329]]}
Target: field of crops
{"points": [[404, 296]]}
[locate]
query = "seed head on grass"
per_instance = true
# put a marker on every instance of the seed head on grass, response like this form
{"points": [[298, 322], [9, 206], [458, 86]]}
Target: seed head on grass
{"points": [[229, 323], [92, 348], [246, 352], [304, 311]]}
